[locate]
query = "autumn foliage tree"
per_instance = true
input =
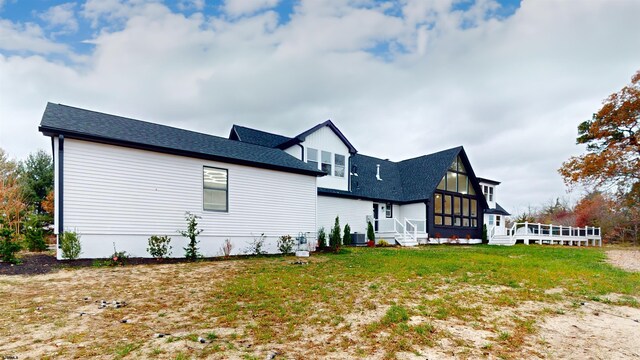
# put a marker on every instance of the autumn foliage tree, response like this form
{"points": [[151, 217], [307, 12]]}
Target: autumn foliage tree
{"points": [[612, 159], [613, 143]]}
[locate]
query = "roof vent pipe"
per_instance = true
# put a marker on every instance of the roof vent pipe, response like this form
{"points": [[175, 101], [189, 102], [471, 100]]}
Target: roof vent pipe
{"points": [[378, 172]]}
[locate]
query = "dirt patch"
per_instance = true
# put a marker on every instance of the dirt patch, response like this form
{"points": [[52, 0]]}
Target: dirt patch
{"points": [[625, 259], [594, 331]]}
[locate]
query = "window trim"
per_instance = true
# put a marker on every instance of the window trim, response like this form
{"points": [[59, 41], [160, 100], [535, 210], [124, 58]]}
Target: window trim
{"points": [[226, 210], [388, 210], [446, 213]]}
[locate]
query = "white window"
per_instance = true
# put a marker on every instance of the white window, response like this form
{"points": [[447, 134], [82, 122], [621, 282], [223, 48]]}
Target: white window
{"points": [[488, 192], [339, 164], [497, 220], [312, 157], [490, 220], [491, 193], [326, 162], [389, 210], [215, 194]]}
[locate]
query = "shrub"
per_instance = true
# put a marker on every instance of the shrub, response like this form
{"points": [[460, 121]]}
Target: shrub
{"points": [[485, 237], [226, 248], [256, 246], [383, 243], [34, 234], [159, 246], [70, 245], [322, 238], [285, 244], [118, 257], [371, 235], [191, 251], [346, 238], [334, 237], [8, 247]]}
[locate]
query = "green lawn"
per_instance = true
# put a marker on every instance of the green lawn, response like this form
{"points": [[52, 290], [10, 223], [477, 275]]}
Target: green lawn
{"points": [[363, 302]]}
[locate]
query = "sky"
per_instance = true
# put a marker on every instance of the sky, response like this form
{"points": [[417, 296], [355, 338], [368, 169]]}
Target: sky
{"points": [[508, 80]]}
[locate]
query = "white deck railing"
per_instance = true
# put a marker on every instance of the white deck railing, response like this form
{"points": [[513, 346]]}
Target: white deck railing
{"points": [[406, 231], [550, 234]]}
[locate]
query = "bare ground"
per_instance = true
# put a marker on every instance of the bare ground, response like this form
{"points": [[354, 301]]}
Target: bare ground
{"points": [[626, 259], [59, 315]]}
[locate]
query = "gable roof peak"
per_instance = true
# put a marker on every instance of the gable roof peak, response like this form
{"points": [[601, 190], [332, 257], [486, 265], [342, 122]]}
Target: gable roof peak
{"points": [[303, 135]]}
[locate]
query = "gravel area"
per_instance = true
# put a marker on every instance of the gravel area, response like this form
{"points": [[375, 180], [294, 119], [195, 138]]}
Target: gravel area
{"points": [[625, 259]]}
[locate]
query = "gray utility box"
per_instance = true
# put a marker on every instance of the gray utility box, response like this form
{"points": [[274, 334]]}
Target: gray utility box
{"points": [[358, 239]]}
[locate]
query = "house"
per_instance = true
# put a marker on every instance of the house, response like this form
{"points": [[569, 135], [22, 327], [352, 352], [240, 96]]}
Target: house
{"points": [[432, 198], [119, 180]]}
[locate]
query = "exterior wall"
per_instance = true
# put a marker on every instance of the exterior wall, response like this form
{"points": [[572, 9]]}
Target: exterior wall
{"points": [[120, 195], [351, 211], [295, 151], [500, 230], [417, 211], [325, 139]]}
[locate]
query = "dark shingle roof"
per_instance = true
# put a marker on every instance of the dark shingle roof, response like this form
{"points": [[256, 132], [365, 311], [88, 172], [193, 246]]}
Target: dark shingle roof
{"points": [[90, 125], [301, 137], [421, 175], [406, 181], [257, 137], [499, 210]]}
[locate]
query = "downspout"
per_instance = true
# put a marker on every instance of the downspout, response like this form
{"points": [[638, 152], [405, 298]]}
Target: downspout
{"points": [[60, 186], [301, 152]]}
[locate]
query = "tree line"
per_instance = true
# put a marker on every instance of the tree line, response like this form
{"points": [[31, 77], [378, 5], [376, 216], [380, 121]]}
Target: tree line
{"points": [[26, 192]]}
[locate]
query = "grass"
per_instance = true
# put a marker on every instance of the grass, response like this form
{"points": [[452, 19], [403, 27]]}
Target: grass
{"points": [[360, 302]]}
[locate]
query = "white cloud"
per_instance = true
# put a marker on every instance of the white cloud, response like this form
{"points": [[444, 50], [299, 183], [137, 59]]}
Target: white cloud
{"points": [[61, 17], [26, 37], [237, 8], [191, 4], [511, 91]]}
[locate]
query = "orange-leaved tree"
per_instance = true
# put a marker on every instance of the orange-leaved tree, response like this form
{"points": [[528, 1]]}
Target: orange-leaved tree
{"points": [[612, 137]]}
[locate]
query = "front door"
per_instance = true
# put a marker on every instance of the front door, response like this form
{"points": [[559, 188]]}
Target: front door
{"points": [[375, 217]]}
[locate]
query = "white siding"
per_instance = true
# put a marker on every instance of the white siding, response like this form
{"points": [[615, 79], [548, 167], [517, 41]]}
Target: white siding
{"points": [[417, 211], [123, 195], [351, 211], [295, 151], [325, 139]]}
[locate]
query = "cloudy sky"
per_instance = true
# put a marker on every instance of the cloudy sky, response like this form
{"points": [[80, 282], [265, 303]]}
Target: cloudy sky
{"points": [[508, 80]]}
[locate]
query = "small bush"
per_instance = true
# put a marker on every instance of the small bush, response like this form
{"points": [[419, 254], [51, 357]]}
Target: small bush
{"points": [[371, 235], [285, 244], [8, 246], [70, 245], [118, 257], [383, 243], [159, 246], [34, 234], [334, 237], [191, 251], [322, 238], [485, 236], [256, 246], [226, 248], [346, 237]]}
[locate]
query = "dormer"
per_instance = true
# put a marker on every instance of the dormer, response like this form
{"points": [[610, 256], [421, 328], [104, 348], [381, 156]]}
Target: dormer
{"points": [[325, 147], [489, 191]]}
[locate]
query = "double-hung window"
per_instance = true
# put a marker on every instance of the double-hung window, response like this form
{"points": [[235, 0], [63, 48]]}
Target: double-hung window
{"points": [[312, 157], [326, 162], [339, 165], [215, 192]]}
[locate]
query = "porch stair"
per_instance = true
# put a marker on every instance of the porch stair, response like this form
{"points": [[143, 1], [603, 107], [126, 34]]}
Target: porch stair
{"points": [[405, 240], [504, 240]]}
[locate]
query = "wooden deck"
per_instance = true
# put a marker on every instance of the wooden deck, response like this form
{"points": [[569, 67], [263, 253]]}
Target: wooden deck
{"points": [[547, 234]]}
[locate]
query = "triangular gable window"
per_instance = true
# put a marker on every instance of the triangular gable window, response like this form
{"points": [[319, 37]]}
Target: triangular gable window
{"points": [[456, 179]]}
